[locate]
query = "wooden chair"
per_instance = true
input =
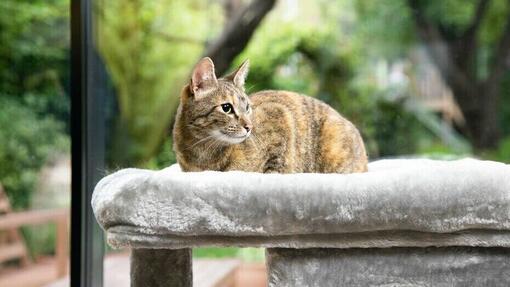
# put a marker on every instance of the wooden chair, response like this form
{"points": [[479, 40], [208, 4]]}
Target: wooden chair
{"points": [[13, 247]]}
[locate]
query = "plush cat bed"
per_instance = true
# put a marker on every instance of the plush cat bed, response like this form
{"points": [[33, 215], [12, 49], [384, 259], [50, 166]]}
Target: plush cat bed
{"points": [[415, 202]]}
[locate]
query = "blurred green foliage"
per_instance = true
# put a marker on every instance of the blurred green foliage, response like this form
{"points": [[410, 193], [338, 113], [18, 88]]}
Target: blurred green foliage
{"points": [[245, 254], [502, 153], [148, 48], [317, 60], [330, 53], [34, 100], [35, 46], [40, 240], [395, 39], [505, 107], [34, 105], [27, 141], [326, 49], [164, 158]]}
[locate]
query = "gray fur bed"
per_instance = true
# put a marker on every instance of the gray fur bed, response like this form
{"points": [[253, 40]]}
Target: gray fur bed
{"points": [[414, 202]]}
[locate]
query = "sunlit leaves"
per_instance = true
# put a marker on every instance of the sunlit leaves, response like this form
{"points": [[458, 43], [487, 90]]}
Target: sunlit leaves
{"points": [[27, 140], [34, 37], [383, 27], [149, 48]]}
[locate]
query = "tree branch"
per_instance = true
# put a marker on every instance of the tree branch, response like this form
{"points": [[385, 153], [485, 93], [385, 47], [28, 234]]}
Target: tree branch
{"points": [[437, 46], [466, 46], [180, 39], [231, 7], [237, 34], [502, 56], [481, 8]]}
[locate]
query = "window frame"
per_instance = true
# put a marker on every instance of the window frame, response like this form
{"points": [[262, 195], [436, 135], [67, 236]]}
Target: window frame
{"points": [[88, 93]]}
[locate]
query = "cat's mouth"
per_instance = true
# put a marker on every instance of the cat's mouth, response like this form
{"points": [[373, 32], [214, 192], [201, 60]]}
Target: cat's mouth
{"points": [[230, 138]]}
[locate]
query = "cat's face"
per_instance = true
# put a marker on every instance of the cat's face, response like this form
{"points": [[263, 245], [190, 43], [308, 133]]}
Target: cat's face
{"points": [[218, 109]]}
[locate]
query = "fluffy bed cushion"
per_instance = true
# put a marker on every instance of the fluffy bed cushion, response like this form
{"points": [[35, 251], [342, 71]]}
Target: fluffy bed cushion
{"points": [[413, 202]]}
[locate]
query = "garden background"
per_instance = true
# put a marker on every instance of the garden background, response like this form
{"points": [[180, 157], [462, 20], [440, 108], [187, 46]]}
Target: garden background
{"points": [[419, 78]]}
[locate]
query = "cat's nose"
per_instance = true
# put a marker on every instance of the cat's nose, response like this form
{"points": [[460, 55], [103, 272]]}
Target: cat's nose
{"points": [[248, 128]]}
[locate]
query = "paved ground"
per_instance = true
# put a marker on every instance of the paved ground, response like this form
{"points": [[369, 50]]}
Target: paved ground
{"points": [[32, 276]]}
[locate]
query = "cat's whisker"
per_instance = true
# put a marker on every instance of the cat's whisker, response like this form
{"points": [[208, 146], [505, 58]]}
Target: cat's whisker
{"points": [[211, 144], [199, 141], [256, 139], [254, 144], [213, 147], [216, 146]]}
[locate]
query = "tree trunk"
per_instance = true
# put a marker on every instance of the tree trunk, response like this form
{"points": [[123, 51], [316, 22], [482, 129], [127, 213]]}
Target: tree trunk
{"points": [[237, 34], [479, 104], [454, 57]]}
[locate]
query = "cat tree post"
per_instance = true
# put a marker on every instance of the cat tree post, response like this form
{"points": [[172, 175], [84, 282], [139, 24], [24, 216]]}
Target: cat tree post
{"points": [[161, 268], [403, 223], [404, 266]]}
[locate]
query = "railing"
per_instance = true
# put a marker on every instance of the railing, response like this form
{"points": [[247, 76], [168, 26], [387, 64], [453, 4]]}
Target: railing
{"points": [[60, 217]]}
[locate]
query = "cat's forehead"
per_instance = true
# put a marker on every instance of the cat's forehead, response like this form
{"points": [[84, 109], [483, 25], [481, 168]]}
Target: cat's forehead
{"points": [[230, 93]]}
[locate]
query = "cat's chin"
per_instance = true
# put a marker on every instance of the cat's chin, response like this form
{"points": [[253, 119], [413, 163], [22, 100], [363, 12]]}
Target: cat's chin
{"points": [[227, 139]]}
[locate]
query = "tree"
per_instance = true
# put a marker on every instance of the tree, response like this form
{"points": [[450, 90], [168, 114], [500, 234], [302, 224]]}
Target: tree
{"points": [[34, 55], [149, 48], [27, 141], [457, 51], [34, 103], [237, 32]]}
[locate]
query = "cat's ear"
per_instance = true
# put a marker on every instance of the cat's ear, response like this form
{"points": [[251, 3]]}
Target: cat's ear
{"points": [[239, 76], [203, 77]]}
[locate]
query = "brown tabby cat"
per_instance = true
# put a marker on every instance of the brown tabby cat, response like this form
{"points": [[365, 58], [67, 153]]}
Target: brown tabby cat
{"points": [[218, 127]]}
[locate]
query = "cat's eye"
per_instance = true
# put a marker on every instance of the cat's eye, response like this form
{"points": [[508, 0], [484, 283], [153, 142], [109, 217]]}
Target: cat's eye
{"points": [[247, 107], [227, 108]]}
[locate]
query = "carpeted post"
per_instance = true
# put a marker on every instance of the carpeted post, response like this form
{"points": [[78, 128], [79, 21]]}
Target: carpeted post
{"points": [[161, 268]]}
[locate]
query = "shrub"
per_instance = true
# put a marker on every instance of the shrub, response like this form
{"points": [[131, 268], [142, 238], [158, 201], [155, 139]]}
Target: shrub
{"points": [[27, 140]]}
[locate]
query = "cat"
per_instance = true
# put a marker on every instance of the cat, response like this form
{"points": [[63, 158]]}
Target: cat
{"points": [[218, 127]]}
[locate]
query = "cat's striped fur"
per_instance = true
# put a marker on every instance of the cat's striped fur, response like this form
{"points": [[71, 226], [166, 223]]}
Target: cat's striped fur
{"points": [[269, 131]]}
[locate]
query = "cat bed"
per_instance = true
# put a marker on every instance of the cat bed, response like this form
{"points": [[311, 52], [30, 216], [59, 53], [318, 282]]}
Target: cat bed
{"points": [[413, 202]]}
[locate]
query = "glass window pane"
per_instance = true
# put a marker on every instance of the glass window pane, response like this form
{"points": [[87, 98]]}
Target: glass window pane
{"points": [[406, 73]]}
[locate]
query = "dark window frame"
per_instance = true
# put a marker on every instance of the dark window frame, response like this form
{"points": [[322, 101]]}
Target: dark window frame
{"points": [[88, 93]]}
